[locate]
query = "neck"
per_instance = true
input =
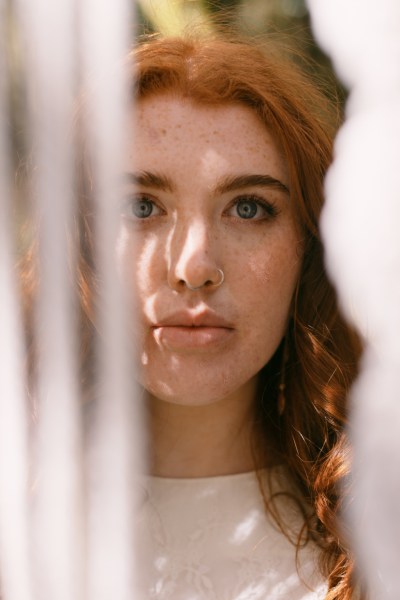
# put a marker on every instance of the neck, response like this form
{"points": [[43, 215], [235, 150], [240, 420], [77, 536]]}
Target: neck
{"points": [[203, 441]]}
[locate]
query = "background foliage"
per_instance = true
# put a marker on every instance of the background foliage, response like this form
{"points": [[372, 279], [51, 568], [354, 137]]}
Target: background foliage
{"points": [[287, 19]]}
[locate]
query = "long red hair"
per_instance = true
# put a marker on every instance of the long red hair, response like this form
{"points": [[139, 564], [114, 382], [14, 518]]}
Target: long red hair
{"points": [[322, 350]]}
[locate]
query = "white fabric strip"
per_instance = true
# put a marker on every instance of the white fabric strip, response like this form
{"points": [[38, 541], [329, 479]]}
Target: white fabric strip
{"points": [[361, 231], [48, 30], [104, 34], [14, 537]]}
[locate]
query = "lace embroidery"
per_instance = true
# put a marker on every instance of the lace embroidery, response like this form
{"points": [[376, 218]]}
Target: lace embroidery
{"points": [[210, 539]]}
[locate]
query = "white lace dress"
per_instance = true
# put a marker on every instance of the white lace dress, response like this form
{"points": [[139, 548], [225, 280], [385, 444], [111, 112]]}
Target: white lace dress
{"points": [[211, 539]]}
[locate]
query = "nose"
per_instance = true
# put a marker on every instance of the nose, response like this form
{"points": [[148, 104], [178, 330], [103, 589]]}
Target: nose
{"points": [[193, 263]]}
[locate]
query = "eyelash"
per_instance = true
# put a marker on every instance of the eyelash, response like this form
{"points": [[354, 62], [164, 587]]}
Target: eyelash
{"points": [[130, 202], [269, 208]]}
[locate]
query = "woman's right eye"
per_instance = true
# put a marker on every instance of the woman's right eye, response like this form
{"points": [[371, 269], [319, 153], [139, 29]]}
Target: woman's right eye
{"points": [[140, 207]]}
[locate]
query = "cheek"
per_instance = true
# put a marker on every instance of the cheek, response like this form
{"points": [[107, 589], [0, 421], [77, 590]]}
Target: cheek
{"points": [[147, 266], [266, 287], [259, 269], [139, 264], [272, 273], [140, 269]]}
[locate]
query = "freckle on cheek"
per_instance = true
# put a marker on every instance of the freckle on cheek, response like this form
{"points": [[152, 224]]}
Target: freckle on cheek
{"points": [[154, 135], [260, 272]]}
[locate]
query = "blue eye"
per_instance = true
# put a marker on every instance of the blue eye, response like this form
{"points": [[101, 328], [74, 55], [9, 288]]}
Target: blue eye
{"points": [[247, 209], [142, 208], [252, 208]]}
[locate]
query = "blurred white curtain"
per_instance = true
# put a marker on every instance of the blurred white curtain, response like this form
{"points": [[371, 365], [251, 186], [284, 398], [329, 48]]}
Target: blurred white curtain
{"points": [[361, 227], [66, 519], [14, 545]]}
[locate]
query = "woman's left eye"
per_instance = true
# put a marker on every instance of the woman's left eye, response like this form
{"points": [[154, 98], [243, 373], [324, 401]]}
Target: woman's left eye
{"points": [[252, 208]]}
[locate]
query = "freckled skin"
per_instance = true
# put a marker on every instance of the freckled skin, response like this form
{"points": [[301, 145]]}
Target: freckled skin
{"points": [[196, 232]]}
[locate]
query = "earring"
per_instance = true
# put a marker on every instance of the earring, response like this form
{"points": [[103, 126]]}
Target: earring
{"points": [[282, 378]]}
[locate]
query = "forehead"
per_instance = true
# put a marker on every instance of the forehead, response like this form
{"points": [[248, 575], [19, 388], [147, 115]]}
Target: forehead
{"points": [[167, 129]]}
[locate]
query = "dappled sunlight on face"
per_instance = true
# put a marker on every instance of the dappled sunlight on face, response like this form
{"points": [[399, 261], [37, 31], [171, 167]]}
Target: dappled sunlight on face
{"points": [[213, 163], [209, 194]]}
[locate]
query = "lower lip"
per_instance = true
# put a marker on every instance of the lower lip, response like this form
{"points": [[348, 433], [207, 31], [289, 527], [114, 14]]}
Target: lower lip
{"points": [[183, 338]]}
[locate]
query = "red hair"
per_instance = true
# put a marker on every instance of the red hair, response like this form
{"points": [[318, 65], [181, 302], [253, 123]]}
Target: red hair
{"points": [[323, 351]]}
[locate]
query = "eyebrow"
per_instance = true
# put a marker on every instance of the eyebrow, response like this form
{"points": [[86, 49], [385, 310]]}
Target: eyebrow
{"points": [[152, 180], [226, 184]]}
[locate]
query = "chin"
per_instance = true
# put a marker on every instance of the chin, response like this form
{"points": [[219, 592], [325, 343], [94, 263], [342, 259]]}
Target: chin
{"points": [[186, 397], [200, 391]]}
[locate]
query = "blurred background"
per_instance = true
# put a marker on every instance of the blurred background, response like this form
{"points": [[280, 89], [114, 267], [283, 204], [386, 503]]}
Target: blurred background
{"points": [[289, 20]]}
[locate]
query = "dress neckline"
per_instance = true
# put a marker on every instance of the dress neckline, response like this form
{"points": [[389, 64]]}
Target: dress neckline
{"points": [[251, 475]]}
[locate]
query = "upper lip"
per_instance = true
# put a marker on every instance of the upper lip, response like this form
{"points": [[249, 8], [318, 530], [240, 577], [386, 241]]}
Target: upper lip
{"points": [[186, 318]]}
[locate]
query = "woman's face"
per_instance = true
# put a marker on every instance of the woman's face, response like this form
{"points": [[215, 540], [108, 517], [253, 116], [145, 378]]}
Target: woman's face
{"points": [[207, 192]]}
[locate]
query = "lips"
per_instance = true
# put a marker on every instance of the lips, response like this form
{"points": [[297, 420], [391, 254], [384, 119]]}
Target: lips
{"points": [[185, 330], [194, 319]]}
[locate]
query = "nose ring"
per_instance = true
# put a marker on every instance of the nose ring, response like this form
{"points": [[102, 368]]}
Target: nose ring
{"points": [[217, 284]]}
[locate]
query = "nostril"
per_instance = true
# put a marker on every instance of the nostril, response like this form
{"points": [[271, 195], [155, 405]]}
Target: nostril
{"points": [[193, 288], [217, 280]]}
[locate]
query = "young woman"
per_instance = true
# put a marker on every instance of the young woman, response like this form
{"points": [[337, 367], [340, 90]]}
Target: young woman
{"points": [[243, 355]]}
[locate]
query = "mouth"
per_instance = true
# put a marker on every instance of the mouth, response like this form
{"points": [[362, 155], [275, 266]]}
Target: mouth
{"points": [[183, 337], [187, 330]]}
